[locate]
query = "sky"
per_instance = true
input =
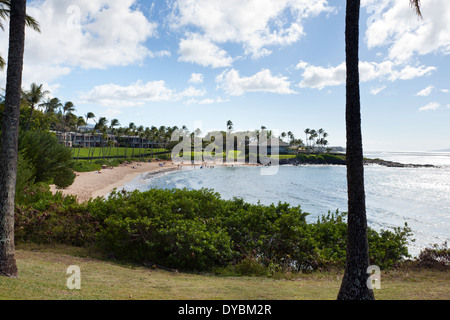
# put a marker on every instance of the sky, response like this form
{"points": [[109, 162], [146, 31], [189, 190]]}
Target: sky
{"points": [[273, 63]]}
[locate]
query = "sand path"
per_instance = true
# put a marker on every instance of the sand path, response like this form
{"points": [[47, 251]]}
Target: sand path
{"points": [[100, 183]]}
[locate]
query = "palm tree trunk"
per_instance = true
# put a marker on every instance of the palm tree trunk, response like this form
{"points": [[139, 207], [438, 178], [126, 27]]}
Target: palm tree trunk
{"points": [[10, 135], [354, 283]]}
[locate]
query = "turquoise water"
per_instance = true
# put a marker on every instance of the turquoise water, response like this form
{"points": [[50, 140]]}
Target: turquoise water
{"points": [[417, 196]]}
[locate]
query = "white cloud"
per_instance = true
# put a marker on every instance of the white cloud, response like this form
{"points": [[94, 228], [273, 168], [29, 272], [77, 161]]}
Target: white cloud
{"points": [[430, 106], [206, 101], [409, 72], [301, 65], [199, 50], [84, 33], [376, 91], [393, 24], [425, 92], [445, 90], [319, 77], [256, 25], [233, 84], [127, 96], [136, 94], [196, 78], [190, 92]]}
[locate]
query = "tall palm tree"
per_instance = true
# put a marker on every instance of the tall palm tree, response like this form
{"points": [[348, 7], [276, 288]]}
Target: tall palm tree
{"points": [[68, 107], [10, 136], [80, 123], [126, 132], [132, 130], [101, 127], [120, 131], [148, 134], [5, 12], [354, 283], [89, 115], [312, 136], [307, 131], [140, 131], [51, 105], [114, 123], [33, 97]]}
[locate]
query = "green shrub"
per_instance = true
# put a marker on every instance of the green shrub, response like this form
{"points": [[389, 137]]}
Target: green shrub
{"points": [[196, 230], [55, 222], [388, 248], [25, 177], [163, 227], [435, 257], [51, 160]]}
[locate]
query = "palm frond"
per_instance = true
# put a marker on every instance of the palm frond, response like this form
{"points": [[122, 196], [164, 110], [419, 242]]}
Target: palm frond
{"points": [[415, 4], [32, 23], [5, 10]]}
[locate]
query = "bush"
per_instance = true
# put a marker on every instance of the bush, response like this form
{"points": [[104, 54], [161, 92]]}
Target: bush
{"points": [[164, 227], [436, 257], [60, 221], [51, 160], [388, 248], [25, 177], [196, 230]]}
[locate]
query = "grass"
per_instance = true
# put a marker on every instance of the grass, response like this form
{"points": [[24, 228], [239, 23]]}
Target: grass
{"points": [[42, 276], [100, 152], [283, 156]]}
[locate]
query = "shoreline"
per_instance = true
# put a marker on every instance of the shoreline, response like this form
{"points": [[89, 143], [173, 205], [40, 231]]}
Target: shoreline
{"points": [[95, 184]]}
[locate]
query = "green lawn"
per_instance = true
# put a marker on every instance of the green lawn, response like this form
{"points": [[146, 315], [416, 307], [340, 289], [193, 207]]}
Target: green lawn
{"points": [[42, 275], [113, 151]]}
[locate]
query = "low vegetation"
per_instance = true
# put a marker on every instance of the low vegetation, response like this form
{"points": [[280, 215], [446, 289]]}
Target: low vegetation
{"points": [[196, 230], [42, 272]]}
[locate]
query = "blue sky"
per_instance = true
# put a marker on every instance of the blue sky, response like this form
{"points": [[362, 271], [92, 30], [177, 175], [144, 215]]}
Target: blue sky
{"points": [[277, 63]]}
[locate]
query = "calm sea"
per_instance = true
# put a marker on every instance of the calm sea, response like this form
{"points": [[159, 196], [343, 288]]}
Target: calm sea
{"points": [[418, 196]]}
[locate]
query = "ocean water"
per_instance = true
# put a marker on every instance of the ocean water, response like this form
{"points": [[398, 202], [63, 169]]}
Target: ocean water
{"points": [[418, 196]]}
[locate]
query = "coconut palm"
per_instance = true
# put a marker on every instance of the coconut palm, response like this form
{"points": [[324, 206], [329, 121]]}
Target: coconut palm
{"points": [[10, 136], [5, 12], [307, 131], [88, 116], [67, 108], [51, 105], [312, 136], [80, 123], [140, 131], [354, 283], [132, 132], [101, 127], [34, 97], [98, 127]]}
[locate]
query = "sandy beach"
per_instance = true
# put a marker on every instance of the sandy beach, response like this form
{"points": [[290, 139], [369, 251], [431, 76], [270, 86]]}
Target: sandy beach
{"points": [[100, 183]]}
